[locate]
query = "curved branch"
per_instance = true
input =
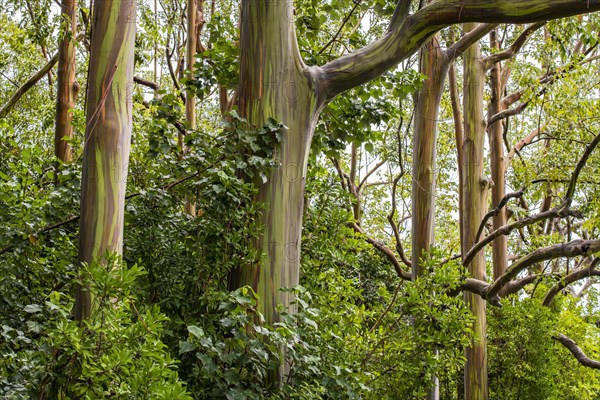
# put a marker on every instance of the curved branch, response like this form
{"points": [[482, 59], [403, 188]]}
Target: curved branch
{"points": [[406, 35], [582, 161], [369, 173], [571, 249], [496, 211], [480, 288], [28, 85], [511, 112], [145, 82], [467, 40], [558, 212], [519, 146], [576, 351], [385, 250], [515, 47], [575, 276]]}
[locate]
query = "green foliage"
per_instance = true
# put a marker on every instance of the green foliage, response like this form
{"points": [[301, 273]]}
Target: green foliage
{"points": [[526, 363], [117, 353], [232, 354]]}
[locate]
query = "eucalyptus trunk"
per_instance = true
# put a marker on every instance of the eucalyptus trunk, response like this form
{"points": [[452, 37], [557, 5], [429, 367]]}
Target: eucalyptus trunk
{"points": [[107, 137], [497, 163], [190, 99], [274, 82], [432, 62], [192, 44], [67, 86], [474, 190]]}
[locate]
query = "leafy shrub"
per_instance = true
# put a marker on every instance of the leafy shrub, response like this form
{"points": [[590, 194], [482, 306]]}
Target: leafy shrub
{"points": [[117, 353]]}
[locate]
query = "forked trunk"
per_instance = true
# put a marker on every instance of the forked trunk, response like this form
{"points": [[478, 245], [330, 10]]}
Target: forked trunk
{"points": [[275, 83]]}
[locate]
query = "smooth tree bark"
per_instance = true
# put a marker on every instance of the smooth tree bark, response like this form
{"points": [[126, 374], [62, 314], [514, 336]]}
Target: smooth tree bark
{"points": [[497, 163], [435, 63], [474, 188], [107, 137], [195, 19], [431, 63], [275, 82], [67, 86]]}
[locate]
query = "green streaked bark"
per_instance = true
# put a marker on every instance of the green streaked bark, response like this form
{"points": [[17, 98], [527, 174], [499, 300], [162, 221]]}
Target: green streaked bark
{"points": [[274, 82], [108, 136], [497, 164], [474, 189], [433, 64], [67, 87], [190, 99]]}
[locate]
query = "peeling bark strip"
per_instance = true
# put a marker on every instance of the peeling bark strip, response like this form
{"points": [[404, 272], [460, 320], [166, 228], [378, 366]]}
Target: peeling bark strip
{"points": [[107, 137], [67, 87]]}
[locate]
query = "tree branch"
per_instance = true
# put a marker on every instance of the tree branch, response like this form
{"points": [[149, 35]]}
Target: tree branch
{"points": [[385, 250], [467, 40], [558, 212], [28, 85], [145, 82], [405, 35], [576, 351], [582, 161], [575, 276], [519, 146], [515, 47], [369, 173], [571, 249], [496, 211]]}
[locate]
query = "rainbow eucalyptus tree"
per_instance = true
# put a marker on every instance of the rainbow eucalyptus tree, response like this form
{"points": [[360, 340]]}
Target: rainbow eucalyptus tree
{"points": [[107, 136], [275, 82]]}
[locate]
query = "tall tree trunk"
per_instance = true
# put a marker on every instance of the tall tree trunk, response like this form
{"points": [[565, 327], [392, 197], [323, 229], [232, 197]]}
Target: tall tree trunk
{"points": [[192, 44], [67, 87], [190, 99], [432, 62], [107, 137], [274, 82], [497, 164], [474, 189]]}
